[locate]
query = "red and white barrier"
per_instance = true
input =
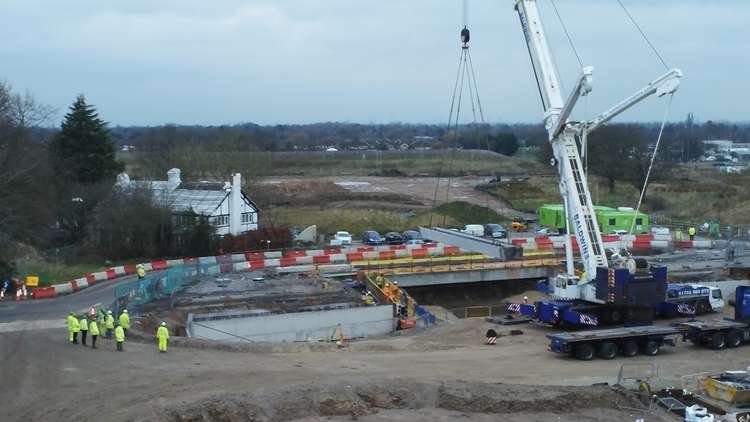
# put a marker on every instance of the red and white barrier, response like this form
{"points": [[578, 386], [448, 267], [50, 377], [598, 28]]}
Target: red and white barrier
{"points": [[325, 260], [645, 241]]}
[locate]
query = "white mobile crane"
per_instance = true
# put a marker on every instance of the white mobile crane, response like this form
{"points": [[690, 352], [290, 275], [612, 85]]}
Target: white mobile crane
{"points": [[603, 284]]}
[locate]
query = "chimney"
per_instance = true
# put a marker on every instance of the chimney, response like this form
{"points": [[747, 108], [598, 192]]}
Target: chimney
{"points": [[122, 180], [173, 178], [235, 205]]}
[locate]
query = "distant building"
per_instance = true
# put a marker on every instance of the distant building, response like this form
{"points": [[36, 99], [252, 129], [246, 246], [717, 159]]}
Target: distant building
{"points": [[223, 204], [717, 145]]}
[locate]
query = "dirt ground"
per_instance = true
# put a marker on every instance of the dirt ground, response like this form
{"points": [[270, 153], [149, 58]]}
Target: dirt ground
{"points": [[441, 373], [412, 190]]}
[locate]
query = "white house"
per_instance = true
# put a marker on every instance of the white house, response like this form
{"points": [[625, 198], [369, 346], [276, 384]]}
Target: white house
{"points": [[224, 204]]}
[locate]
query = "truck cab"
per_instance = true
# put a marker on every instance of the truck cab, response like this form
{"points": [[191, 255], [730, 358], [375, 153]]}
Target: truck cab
{"points": [[704, 298], [716, 300]]}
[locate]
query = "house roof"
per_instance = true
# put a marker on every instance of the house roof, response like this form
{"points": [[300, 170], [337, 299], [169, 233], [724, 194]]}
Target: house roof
{"points": [[202, 201], [204, 198]]}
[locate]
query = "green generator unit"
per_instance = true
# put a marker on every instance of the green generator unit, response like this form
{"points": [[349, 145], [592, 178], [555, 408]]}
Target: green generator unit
{"points": [[613, 221], [610, 219], [552, 216]]}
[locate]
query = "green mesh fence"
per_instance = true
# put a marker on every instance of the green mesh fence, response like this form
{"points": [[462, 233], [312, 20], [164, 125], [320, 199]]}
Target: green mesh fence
{"points": [[160, 285]]}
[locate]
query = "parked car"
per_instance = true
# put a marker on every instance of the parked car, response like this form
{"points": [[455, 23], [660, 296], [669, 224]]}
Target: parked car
{"points": [[393, 238], [412, 237], [371, 237], [341, 239], [546, 231], [495, 231], [619, 232], [474, 229]]}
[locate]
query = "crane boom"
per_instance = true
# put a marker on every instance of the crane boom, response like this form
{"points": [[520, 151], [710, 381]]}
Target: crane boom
{"points": [[579, 209], [573, 186]]}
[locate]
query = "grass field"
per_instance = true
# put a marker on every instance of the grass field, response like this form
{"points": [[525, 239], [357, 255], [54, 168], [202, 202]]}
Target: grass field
{"points": [[209, 165], [50, 273]]}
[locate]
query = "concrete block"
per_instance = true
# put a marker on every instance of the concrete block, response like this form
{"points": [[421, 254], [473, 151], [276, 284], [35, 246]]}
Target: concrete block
{"points": [[370, 255], [437, 251], [81, 284], [338, 258], [402, 253], [272, 254], [119, 270], [241, 266], [659, 243], [304, 260], [100, 276], [62, 289], [303, 326], [274, 262], [315, 252]]}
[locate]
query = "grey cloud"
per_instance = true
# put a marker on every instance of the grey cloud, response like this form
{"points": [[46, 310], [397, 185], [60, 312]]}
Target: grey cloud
{"points": [[147, 62]]}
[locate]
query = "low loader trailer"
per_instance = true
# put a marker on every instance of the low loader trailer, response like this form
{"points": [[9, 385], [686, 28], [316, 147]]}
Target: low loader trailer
{"points": [[649, 339]]}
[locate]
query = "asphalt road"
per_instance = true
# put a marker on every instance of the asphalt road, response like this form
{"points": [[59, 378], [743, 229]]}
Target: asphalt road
{"points": [[59, 307]]}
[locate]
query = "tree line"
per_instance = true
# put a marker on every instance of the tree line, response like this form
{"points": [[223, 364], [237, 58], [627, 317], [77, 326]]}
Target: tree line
{"points": [[58, 192], [57, 184]]}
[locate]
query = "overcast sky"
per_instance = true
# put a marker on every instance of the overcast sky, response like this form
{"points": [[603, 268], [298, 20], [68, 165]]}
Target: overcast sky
{"points": [[146, 62]]}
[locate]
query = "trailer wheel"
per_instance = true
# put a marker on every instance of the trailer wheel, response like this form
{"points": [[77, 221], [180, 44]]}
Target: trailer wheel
{"points": [[629, 348], [717, 341], [702, 307], [650, 348], [734, 338], [584, 351], [607, 350]]}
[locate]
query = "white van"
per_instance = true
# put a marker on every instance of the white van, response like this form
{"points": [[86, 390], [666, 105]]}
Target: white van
{"points": [[474, 229]]}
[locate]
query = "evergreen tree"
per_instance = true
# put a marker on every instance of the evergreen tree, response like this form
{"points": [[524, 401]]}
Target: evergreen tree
{"points": [[83, 152]]}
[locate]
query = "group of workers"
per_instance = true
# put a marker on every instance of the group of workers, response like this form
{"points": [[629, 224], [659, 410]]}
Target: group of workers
{"points": [[390, 290], [393, 294], [678, 233], [93, 320]]}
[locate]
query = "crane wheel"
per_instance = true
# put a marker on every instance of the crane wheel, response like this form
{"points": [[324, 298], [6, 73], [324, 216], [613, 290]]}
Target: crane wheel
{"points": [[734, 338], [607, 350], [629, 348], [584, 351], [717, 341], [650, 348]]}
